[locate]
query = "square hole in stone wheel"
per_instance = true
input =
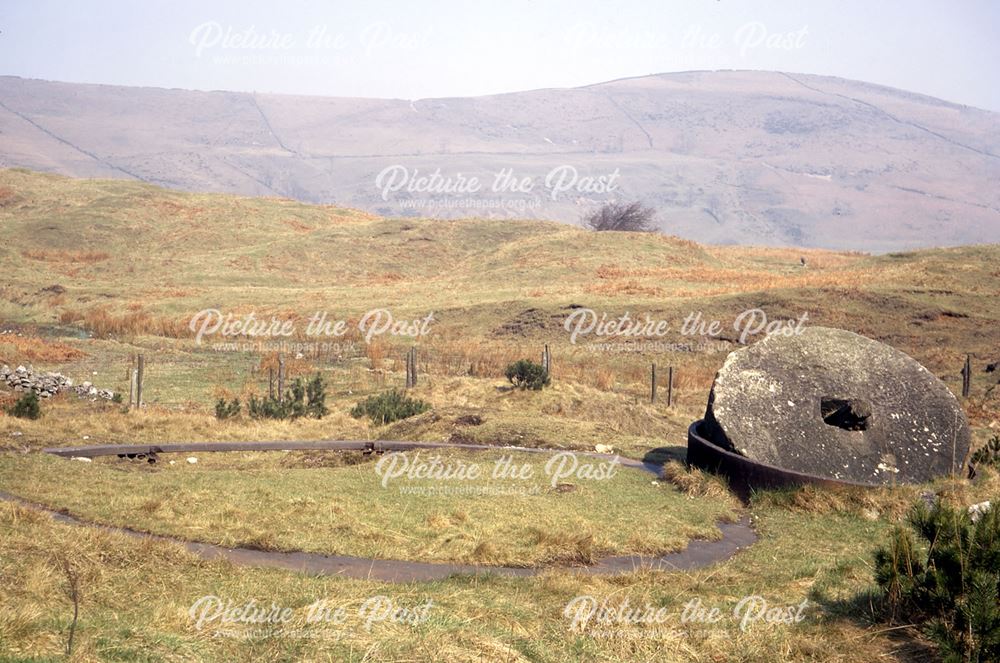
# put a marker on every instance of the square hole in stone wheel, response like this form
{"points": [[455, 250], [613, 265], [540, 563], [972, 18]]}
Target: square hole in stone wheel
{"points": [[846, 413]]}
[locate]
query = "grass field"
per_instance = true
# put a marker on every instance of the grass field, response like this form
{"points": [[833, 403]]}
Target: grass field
{"points": [[95, 272], [295, 502], [137, 596]]}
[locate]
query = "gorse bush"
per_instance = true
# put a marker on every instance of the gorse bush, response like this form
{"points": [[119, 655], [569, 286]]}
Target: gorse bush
{"points": [[302, 400], [388, 407], [526, 374], [943, 571], [26, 407]]}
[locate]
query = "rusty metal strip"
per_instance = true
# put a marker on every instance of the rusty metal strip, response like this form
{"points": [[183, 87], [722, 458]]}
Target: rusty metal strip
{"points": [[746, 474]]}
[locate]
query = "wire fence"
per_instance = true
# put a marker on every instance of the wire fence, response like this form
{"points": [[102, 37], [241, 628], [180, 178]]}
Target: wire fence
{"points": [[196, 378]]}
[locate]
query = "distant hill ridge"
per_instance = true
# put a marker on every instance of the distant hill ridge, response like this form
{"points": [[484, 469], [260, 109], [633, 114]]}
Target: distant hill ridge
{"points": [[726, 157]]}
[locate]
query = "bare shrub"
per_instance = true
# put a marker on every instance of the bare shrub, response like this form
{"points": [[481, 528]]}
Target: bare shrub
{"points": [[628, 217]]}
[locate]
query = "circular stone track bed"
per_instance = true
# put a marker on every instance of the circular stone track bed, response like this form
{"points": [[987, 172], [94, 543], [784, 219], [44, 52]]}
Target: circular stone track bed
{"points": [[141, 515]]}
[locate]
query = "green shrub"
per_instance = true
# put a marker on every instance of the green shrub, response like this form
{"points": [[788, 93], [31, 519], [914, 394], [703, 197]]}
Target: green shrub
{"points": [[949, 582], [227, 410], [268, 408], [389, 406], [526, 374], [302, 400], [26, 407], [989, 455], [316, 398]]}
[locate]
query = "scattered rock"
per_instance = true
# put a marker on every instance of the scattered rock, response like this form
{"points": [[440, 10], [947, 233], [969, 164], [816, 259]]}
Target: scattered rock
{"points": [[83, 459], [565, 488], [192, 460], [834, 404], [977, 511], [47, 385], [604, 448]]}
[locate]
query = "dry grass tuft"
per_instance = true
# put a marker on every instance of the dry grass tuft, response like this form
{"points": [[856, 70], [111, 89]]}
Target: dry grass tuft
{"points": [[101, 321], [376, 352], [486, 552], [34, 348], [8, 196], [630, 287], [85, 257], [604, 379], [892, 502], [566, 547], [694, 482], [298, 226]]}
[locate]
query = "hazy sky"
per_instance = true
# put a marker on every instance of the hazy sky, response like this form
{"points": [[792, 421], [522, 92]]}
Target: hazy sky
{"points": [[420, 48]]}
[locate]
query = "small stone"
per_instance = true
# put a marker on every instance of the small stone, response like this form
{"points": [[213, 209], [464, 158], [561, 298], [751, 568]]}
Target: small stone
{"points": [[82, 459], [977, 511], [604, 448], [192, 460]]}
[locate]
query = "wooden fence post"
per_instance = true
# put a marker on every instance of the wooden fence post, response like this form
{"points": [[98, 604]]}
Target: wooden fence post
{"points": [[140, 374], [670, 386], [409, 368], [270, 382], [967, 376], [652, 384], [281, 377], [132, 380], [413, 364]]}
